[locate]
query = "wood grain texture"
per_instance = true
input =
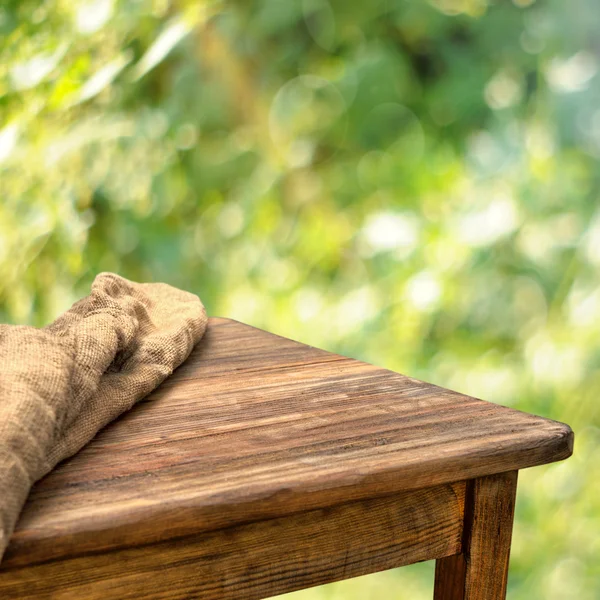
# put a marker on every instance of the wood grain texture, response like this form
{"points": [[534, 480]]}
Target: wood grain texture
{"points": [[480, 572], [254, 426], [260, 559]]}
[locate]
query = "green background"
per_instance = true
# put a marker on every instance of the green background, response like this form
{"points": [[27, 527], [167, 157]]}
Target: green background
{"points": [[411, 183]]}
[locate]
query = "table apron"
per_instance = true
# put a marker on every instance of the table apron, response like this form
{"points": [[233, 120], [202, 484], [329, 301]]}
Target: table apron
{"points": [[261, 559]]}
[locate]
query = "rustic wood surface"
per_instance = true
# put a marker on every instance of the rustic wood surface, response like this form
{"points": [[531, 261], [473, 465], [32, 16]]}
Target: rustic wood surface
{"points": [[259, 560], [480, 571], [254, 426]]}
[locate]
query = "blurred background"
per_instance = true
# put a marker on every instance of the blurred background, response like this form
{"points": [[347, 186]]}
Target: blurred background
{"points": [[411, 183]]}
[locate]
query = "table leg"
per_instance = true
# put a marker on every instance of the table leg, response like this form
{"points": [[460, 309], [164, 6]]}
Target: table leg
{"points": [[480, 572]]}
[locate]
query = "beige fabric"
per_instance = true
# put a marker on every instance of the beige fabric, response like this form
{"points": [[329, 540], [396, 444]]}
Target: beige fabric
{"points": [[59, 385]]}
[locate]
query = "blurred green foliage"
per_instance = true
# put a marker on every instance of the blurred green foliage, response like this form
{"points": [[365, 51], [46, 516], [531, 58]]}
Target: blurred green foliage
{"points": [[412, 183]]}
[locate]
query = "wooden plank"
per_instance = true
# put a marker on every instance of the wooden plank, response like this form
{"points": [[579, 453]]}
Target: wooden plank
{"points": [[260, 559], [254, 426], [480, 572]]}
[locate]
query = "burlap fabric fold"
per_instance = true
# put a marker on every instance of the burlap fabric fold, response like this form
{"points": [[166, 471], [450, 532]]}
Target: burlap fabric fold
{"points": [[60, 384]]}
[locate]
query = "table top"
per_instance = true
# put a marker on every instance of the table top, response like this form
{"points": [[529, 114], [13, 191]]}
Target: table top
{"points": [[254, 426]]}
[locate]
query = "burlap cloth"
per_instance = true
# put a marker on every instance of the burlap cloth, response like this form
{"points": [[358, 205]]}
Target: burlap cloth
{"points": [[60, 384]]}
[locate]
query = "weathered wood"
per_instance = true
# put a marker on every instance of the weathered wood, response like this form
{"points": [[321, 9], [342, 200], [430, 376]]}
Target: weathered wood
{"points": [[254, 426], [261, 559], [480, 572]]}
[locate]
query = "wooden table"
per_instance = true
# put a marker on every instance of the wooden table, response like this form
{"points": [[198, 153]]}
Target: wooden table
{"points": [[264, 466]]}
